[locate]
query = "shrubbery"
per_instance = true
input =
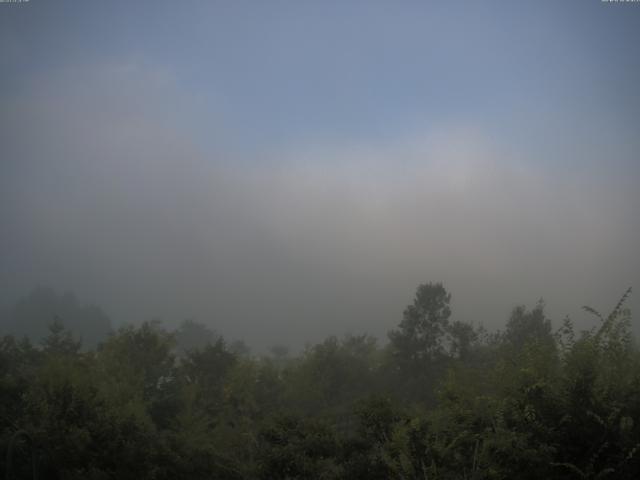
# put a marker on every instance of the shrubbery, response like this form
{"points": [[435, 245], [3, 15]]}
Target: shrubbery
{"points": [[441, 400]]}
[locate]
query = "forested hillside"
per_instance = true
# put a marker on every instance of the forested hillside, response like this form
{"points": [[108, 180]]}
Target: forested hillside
{"points": [[440, 399]]}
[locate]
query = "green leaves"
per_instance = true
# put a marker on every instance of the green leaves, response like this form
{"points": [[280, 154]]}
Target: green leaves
{"points": [[441, 401], [421, 333]]}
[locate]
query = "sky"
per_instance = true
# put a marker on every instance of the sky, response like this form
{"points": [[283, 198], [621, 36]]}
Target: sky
{"points": [[288, 170]]}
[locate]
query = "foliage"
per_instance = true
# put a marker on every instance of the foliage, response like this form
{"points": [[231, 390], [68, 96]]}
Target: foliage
{"points": [[442, 400], [32, 316]]}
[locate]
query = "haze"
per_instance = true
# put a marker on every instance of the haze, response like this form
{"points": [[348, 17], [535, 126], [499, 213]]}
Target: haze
{"points": [[282, 171]]}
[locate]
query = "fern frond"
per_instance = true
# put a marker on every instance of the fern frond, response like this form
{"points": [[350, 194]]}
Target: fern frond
{"points": [[616, 311], [593, 311], [606, 326]]}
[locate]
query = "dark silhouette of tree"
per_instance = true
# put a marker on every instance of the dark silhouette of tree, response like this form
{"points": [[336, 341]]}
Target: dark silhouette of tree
{"points": [[32, 315], [60, 341], [421, 335], [192, 335], [441, 400], [527, 327]]}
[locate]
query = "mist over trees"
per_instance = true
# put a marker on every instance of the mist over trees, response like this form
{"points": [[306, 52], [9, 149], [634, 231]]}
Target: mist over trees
{"points": [[309, 240], [441, 399], [32, 315]]}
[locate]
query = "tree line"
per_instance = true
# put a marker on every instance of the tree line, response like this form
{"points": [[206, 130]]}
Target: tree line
{"points": [[441, 399]]}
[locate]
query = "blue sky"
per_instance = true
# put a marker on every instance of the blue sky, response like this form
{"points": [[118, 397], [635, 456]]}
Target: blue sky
{"points": [[243, 145], [283, 71]]}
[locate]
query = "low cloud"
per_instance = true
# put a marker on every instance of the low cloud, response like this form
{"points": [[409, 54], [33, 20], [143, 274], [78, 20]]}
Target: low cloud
{"points": [[109, 194]]}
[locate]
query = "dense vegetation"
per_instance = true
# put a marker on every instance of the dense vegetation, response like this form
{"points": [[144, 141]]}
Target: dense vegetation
{"points": [[440, 400]]}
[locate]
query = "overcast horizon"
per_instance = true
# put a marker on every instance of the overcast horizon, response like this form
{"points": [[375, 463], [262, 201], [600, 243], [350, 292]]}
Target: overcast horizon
{"points": [[285, 171]]}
